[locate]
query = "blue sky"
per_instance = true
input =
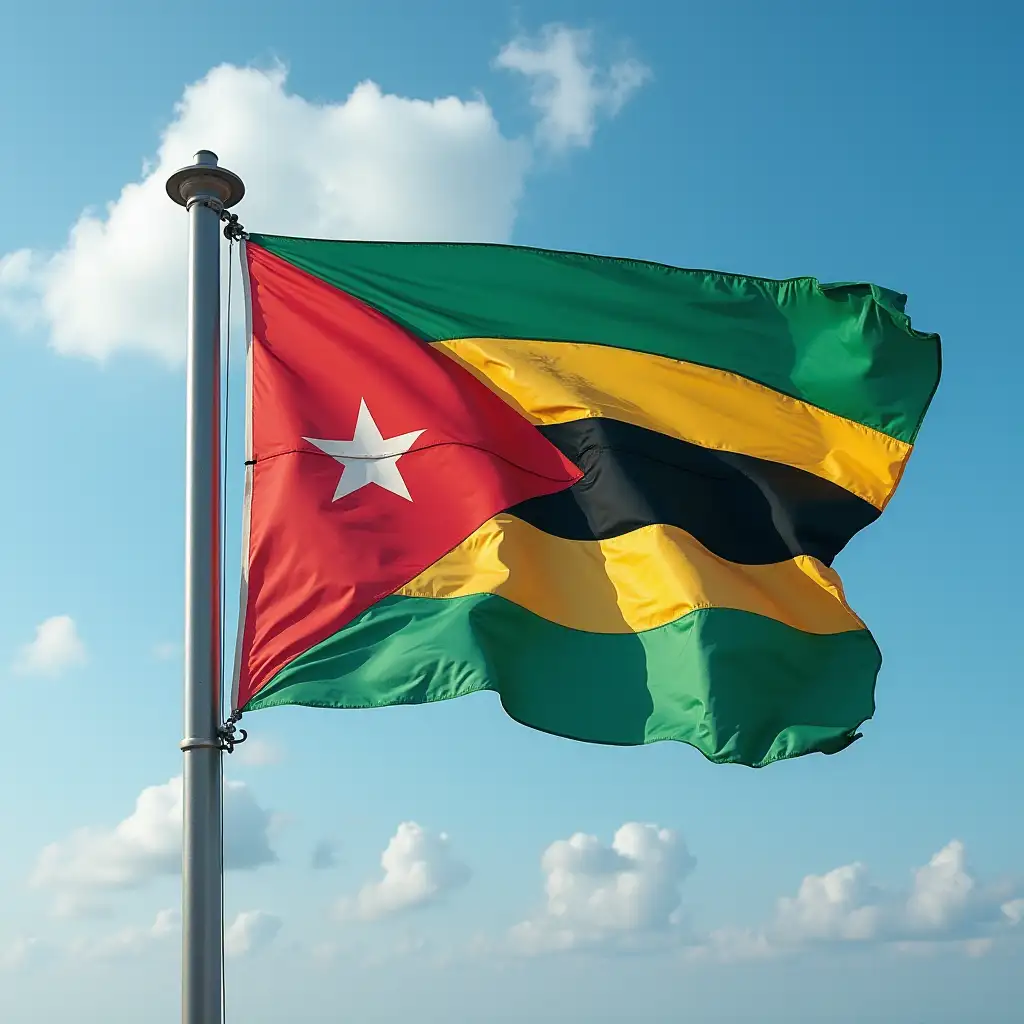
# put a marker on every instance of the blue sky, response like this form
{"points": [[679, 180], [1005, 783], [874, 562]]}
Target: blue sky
{"points": [[874, 142]]}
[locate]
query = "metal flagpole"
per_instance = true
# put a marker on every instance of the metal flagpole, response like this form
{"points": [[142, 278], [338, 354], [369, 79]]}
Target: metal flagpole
{"points": [[205, 190]]}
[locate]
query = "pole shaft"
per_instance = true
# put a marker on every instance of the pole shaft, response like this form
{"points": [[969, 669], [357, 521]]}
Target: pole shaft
{"points": [[202, 839]]}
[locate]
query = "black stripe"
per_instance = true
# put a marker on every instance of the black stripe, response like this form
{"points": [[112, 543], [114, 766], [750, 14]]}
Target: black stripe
{"points": [[743, 509]]}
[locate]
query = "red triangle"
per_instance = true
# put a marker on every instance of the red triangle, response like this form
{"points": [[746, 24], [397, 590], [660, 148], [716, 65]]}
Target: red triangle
{"points": [[315, 563]]}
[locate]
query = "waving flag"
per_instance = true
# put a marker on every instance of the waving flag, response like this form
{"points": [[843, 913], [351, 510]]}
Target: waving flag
{"points": [[611, 491]]}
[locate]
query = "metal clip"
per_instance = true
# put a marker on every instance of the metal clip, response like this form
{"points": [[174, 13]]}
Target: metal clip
{"points": [[230, 735], [233, 231]]}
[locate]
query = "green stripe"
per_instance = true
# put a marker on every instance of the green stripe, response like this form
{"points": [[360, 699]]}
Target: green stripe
{"points": [[739, 687], [848, 348]]}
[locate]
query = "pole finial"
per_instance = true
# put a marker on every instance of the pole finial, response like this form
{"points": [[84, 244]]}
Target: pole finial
{"points": [[205, 180]]}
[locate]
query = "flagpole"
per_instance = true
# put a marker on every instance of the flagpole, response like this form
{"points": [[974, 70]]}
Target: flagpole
{"points": [[205, 190]]}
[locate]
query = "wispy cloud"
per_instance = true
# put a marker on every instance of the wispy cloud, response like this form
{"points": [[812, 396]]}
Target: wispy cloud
{"points": [[569, 91], [24, 953], [130, 942], [250, 932]]}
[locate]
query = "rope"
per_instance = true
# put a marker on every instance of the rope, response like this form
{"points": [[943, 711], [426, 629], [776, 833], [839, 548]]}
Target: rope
{"points": [[228, 734], [223, 604]]}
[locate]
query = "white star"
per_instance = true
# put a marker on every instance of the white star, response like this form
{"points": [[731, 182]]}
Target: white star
{"points": [[369, 458]]}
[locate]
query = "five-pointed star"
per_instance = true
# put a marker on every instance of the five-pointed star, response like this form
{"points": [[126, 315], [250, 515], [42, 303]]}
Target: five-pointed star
{"points": [[369, 458]]}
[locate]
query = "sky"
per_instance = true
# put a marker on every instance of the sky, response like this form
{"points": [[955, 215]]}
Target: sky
{"points": [[442, 863]]}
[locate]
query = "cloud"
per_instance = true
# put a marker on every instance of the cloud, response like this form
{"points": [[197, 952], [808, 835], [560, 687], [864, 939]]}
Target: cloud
{"points": [[1013, 911], [56, 647], [731, 945], [834, 906], [258, 752], [129, 942], [373, 165], [620, 896], [24, 953], [419, 868], [147, 844], [943, 907], [567, 89], [250, 932], [19, 272], [324, 856], [943, 892]]}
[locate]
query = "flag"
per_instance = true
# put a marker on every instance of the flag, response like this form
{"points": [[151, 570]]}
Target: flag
{"points": [[609, 490]]}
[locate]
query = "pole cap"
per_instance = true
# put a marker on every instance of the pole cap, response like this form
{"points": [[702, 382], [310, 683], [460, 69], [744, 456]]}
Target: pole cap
{"points": [[205, 178]]}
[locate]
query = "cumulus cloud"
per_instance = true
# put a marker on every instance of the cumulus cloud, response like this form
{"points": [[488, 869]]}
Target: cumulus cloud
{"points": [[147, 844], [259, 752], [568, 90], [373, 165], [943, 892], [943, 906], [250, 932], [419, 868], [834, 906], [55, 648], [623, 895]]}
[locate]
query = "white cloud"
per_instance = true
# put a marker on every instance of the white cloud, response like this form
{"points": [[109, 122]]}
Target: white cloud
{"points": [[167, 923], [567, 89], [56, 647], [626, 895], [374, 165], [130, 941], [833, 906], [259, 752], [147, 844], [945, 907], [1013, 910], [250, 932], [419, 868], [942, 891], [19, 272], [371, 166], [165, 651]]}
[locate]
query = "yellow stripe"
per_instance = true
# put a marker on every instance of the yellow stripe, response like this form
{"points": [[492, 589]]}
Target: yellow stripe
{"points": [[633, 582], [557, 382]]}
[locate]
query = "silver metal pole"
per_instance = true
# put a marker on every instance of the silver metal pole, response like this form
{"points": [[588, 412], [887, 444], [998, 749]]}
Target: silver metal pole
{"points": [[205, 190]]}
